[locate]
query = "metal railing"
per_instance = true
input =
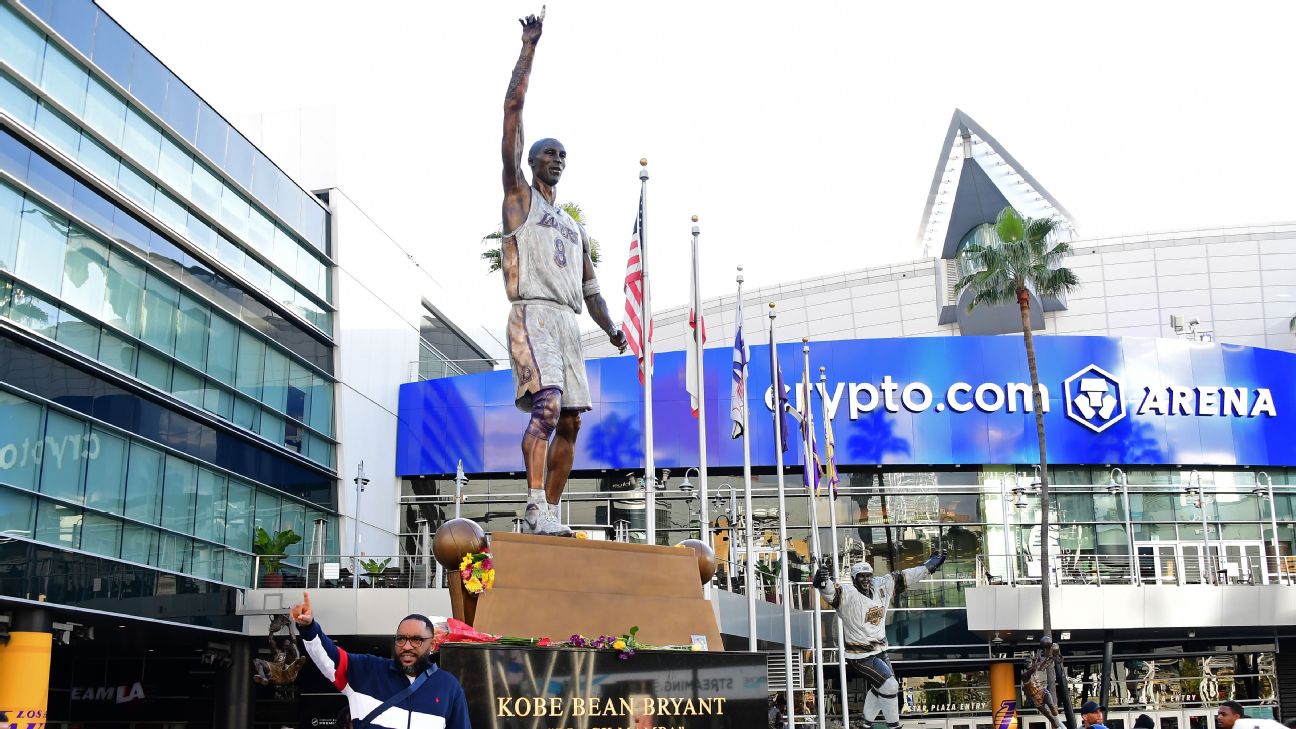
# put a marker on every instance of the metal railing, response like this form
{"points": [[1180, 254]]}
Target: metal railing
{"points": [[349, 572], [1156, 568]]}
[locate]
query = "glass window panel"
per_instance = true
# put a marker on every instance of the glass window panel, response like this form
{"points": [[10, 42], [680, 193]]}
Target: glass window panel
{"points": [[77, 334], [229, 253], [246, 413], [276, 389], [101, 534], [321, 405], [93, 209], [238, 516], [175, 167], [181, 108], [16, 511], [208, 561], [201, 233], [234, 212], [267, 512], [212, 130], [149, 81], [139, 543], [284, 253], [16, 101], [65, 80], [320, 451], [238, 159], [117, 352], [57, 130], [105, 111], [14, 155], [58, 524], [75, 21], [134, 186], [209, 518], [265, 180], [154, 370], [294, 518], [141, 140], [308, 270], [20, 434], [187, 386], [122, 301], [257, 273], [283, 292], [171, 211], [251, 365], [166, 255], [42, 243], [271, 427], [238, 568], [106, 472], [21, 45], [144, 483], [114, 50], [33, 311], [180, 486], [206, 189], [222, 348], [191, 336], [160, 301], [62, 458], [289, 202], [85, 272], [218, 400], [314, 223], [11, 207], [261, 232], [299, 382]]}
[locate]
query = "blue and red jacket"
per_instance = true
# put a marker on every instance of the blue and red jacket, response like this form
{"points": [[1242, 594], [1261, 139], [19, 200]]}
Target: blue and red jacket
{"points": [[368, 681]]}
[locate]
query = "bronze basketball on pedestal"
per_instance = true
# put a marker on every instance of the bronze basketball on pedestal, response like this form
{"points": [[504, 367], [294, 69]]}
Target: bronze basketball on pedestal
{"points": [[456, 538], [705, 557]]}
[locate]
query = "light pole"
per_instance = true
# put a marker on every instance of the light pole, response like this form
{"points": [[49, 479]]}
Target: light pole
{"points": [[689, 493], [1266, 492], [360, 482], [1122, 486]]}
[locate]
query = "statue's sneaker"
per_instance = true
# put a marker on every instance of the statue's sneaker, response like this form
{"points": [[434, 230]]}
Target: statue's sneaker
{"points": [[531, 518], [549, 525]]}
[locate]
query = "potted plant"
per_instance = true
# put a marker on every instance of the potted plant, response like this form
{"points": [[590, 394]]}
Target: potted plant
{"points": [[769, 572], [374, 568], [271, 550]]}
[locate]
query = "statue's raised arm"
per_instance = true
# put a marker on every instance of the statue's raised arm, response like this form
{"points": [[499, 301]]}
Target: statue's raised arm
{"points": [[517, 193]]}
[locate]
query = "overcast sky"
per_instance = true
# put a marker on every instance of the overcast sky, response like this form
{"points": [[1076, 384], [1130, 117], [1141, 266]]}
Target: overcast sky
{"points": [[804, 135]]}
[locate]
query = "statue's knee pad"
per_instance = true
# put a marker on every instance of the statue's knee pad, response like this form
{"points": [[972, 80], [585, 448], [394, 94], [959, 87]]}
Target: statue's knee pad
{"points": [[544, 413]]}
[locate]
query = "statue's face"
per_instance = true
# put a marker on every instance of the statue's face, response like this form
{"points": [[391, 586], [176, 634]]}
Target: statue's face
{"points": [[864, 583], [549, 162]]}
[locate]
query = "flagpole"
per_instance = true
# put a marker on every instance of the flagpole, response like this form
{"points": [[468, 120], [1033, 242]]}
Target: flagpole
{"points": [[699, 336], [749, 535], [836, 567], [782, 517], [645, 333], [812, 472]]}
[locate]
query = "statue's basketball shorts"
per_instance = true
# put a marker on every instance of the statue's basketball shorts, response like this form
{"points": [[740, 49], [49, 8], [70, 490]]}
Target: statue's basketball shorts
{"points": [[545, 351]]}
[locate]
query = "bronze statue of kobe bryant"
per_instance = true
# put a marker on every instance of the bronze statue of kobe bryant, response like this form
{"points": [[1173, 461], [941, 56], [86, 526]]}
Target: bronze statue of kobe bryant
{"points": [[549, 278]]}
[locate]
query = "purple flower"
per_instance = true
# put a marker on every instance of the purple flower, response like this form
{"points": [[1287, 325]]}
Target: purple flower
{"points": [[623, 656]]}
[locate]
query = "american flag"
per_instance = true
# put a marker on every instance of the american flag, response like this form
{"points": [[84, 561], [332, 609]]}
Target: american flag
{"points": [[811, 469], [634, 294]]}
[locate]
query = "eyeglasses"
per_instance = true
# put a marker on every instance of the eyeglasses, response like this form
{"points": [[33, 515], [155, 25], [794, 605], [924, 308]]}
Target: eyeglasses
{"points": [[414, 640]]}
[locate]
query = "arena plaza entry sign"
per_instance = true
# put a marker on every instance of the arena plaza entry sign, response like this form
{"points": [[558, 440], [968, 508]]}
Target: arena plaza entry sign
{"points": [[908, 401]]}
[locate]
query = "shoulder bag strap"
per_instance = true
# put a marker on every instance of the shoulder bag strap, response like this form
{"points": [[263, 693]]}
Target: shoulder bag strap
{"points": [[400, 695]]}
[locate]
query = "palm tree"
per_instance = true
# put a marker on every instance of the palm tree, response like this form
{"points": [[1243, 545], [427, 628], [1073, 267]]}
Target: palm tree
{"points": [[492, 254], [1004, 271]]}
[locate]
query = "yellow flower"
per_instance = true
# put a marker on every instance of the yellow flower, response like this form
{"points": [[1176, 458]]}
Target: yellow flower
{"points": [[618, 644], [488, 579], [582, 535], [467, 560], [474, 585]]}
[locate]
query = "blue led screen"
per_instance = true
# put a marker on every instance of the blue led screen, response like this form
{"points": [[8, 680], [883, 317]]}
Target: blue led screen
{"points": [[909, 401]]}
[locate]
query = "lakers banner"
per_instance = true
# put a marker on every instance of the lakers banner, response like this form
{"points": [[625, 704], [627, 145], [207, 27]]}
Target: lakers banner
{"points": [[562, 688], [24, 680]]}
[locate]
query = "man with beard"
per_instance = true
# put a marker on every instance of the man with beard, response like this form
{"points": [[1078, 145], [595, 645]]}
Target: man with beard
{"points": [[549, 279], [407, 690], [863, 610]]}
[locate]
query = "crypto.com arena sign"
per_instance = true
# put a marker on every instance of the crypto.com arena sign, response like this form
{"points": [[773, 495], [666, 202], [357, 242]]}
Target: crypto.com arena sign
{"points": [[919, 401]]}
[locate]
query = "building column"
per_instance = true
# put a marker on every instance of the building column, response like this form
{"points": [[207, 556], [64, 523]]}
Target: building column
{"points": [[1003, 695], [234, 700], [25, 666]]}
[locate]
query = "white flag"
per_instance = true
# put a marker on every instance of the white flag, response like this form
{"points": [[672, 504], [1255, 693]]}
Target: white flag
{"points": [[696, 340]]}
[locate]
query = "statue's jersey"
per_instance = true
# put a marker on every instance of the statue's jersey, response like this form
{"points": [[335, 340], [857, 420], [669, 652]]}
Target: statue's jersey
{"points": [[864, 617], [544, 259]]}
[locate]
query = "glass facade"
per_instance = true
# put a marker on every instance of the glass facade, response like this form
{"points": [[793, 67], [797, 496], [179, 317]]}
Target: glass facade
{"points": [[122, 66], [101, 297], [83, 485]]}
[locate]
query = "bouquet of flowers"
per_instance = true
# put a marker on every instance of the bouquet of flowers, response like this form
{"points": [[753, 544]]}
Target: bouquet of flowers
{"points": [[461, 632], [478, 571]]}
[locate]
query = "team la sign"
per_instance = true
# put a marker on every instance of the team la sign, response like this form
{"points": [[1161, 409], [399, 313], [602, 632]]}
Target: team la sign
{"points": [[917, 402]]}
